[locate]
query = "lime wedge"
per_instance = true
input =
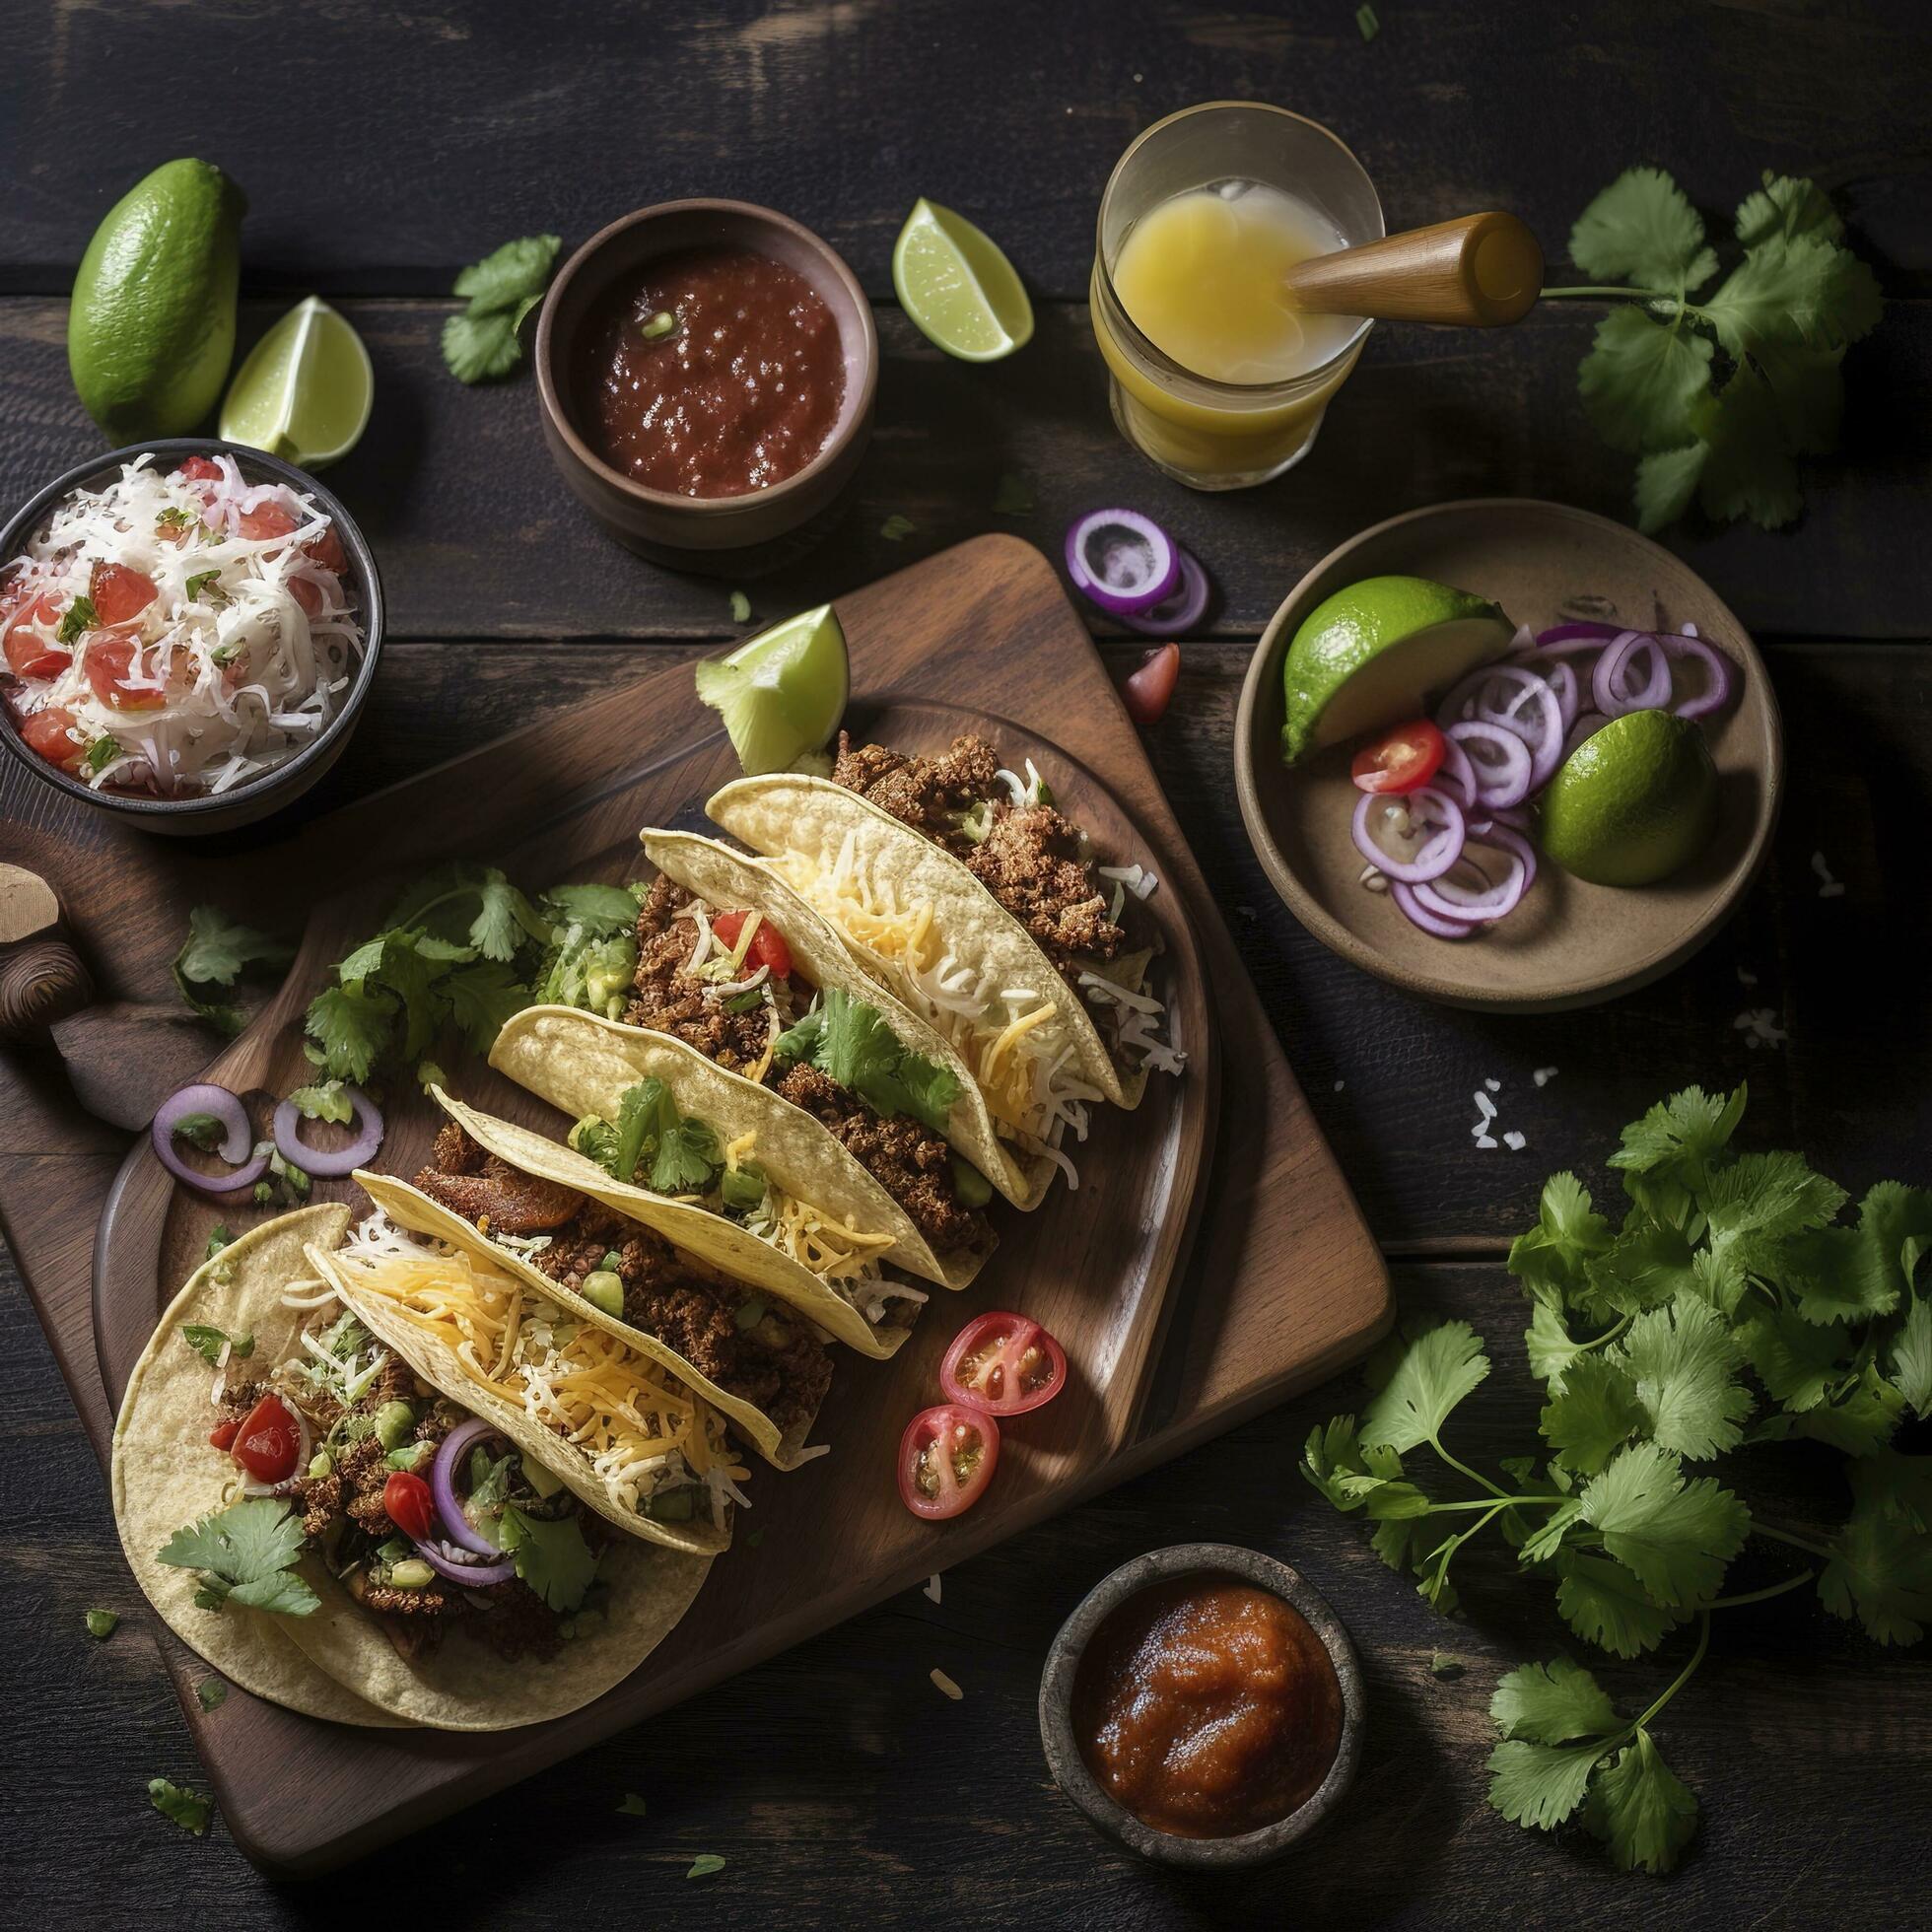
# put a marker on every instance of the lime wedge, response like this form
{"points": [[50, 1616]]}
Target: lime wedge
{"points": [[783, 692], [304, 392], [1634, 802], [954, 282], [1371, 653]]}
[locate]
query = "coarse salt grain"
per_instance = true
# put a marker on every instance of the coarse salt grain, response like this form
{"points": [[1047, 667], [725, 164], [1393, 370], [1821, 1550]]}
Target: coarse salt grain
{"points": [[1515, 1141], [1544, 1076], [1494, 1086], [932, 1587], [1485, 1139]]}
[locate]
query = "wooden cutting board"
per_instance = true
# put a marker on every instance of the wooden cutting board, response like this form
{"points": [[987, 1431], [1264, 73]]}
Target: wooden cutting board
{"points": [[1212, 1262]]}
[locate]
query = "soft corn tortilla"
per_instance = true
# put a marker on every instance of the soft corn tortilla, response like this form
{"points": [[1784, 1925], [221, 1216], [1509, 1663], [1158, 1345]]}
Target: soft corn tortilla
{"points": [[801, 825], [409, 1208], [339, 1663]]}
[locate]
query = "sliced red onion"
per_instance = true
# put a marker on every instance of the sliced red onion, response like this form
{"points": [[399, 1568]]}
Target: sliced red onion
{"points": [[1587, 725], [1518, 699], [1457, 772], [1581, 632], [1609, 685], [442, 1484], [1560, 677], [327, 1164], [205, 1097], [1502, 766], [1440, 817], [1516, 817], [1122, 561], [1718, 677], [1180, 612], [1418, 915], [475, 1576]]}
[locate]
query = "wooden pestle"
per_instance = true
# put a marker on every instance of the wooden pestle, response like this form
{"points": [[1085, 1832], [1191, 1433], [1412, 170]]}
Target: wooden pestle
{"points": [[1479, 270]]}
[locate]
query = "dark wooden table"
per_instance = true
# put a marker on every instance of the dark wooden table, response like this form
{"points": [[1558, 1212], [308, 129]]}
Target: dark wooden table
{"points": [[382, 149]]}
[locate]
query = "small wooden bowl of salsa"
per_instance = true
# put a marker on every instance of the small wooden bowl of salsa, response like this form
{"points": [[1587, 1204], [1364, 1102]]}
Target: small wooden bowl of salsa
{"points": [[1204, 1706], [706, 371]]}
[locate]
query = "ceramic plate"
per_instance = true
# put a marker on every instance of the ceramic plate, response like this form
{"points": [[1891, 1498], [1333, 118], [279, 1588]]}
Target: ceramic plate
{"points": [[1568, 943]]}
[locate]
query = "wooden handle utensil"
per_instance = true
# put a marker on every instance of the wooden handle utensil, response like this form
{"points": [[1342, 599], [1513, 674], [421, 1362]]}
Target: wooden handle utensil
{"points": [[1479, 270]]}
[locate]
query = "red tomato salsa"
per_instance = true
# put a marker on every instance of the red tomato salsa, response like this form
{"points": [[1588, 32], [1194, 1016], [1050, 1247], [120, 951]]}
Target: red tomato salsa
{"points": [[1208, 1707], [715, 372]]}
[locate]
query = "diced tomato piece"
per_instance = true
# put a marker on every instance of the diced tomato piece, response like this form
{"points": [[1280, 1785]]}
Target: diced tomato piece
{"points": [[199, 469], [308, 594], [409, 1504], [947, 1458], [328, 551], [32, 649], [1150, 689], [265, 519], [1002, 1363], [119, 594], [112, 663], [1400, 760], [223, 1434], [269, 1441], [768, 948], [45, 733]]}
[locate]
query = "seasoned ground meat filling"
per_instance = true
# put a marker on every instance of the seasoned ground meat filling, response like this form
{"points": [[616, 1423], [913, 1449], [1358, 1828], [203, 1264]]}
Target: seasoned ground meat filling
{"points": [[774, 1365], [1031, 860], [906, 1157], [489, 1192]]}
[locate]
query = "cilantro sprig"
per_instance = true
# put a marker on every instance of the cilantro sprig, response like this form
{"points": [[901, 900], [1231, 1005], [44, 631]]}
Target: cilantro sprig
{"points": [[1719, 396], [217, 951], [652, 1142], [245, 1553], [480, 344], [853, 1042], [1732, 1306]]}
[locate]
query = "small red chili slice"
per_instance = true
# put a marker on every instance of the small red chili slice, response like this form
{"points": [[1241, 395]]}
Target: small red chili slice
{"points": [[409, 1504], [1002, 1363], [268, 1441], [947, 1458]]}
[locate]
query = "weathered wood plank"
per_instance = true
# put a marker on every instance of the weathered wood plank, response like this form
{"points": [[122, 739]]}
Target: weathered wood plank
{"points": [[836, 1780], [432, 133], [477, 536]]}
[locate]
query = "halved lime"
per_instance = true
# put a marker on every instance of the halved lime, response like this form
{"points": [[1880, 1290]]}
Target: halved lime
{"points": [[954, 283], [304, 392], [783, 692], [1632, 802], [1371, 654]]}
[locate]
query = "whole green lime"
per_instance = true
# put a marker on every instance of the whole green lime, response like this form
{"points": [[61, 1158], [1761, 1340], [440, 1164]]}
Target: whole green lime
{"points": [[150, 331], [1632, 802], [1371, 653]]}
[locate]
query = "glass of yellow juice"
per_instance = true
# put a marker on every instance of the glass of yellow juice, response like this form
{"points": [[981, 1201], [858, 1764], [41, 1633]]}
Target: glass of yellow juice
{"points": [[1215, 377]]}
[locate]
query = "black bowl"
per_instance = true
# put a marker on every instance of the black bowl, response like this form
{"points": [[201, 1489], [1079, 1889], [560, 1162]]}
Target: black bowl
{"points": [[272, 790]]}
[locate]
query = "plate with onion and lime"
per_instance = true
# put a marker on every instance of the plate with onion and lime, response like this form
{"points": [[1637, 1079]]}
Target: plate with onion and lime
{"points": [[1508, 754]]}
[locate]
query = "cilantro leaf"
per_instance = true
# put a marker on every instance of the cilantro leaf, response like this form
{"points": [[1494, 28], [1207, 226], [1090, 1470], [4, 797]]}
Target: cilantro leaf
{"points": [[504, 919], [351, 1027], [188, 1809], [1549, 1346], [1860, 1422], [1646, 1266], [208, 1343], [1763, 1198], [1681, 1138], [853, 1042], [1593, 1416], [1642, 228], [102, 1623], [1351, 1476], [1785, 208], [507, 275], [219, 948], [687, 1154], [502, 289], [243, 1555], [1748, 469], [482, 998], [81, 617], [1550, 1259], [1804, 293], [1665, 483], [1683, 1361], [552, 1557], [1551, 1703], [1642, 1808], [1675, 1537], [1434, 1374], [1797, 1360], [602, 910], [1539, 1785], [1911, 1356], [1605, 1603], [1640, 380], [1881, 1564], [633, 1806], [327, 1102], [211, 1693]]}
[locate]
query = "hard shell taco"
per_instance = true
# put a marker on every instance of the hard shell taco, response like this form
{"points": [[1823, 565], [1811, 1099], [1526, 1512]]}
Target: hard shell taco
{"points": [[962, 888], [697, 1178], [335, 1533], [739, 1350]]}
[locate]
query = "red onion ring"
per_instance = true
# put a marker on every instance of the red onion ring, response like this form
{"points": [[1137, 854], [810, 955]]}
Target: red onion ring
{"points": [[1608, 683], [1152, 568], [1558, 674], [1180, 612], [1581, 632], [1479, 695], [205, 1097], [1456, 770], [1507, 786], [456, 1526], [329, 1164], [475, 1576], [1447, 898], [1431, 922], [1718, 677], [1516, 817], [1436, 808]]}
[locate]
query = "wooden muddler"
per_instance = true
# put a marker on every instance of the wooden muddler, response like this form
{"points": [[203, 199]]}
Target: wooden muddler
{"points": [[1479, 270]]}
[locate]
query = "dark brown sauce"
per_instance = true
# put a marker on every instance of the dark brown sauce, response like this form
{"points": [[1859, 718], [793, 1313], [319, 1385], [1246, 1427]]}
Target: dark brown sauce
{"points": [[745, 390], [1208, 1707]]}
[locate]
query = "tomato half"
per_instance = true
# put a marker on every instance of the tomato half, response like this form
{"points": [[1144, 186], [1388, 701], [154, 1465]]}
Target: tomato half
{"points": [[32, 649], [269, 1441], [119, 594], [112, 663], [1002, 1363], [947, 1458], [409, 1505], [46, 735], [1399, 760], [768, 948], [1150, 689]]}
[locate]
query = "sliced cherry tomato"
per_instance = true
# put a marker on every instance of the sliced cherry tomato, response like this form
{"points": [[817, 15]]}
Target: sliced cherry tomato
{"points": [[1399, 760], [223, 1434], [1151, 688], [112, 663], [947, 1458], [31, 632], [119, 594], [269, 1441], [199, 469], [1002, 1363], [265, 519], [409, 1504], [768, 948], [45, 733]]}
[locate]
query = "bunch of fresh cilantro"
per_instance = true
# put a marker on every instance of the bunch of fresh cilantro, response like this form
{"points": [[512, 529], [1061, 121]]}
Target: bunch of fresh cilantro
{"points": [[1717, 397], [1731, 1307]]}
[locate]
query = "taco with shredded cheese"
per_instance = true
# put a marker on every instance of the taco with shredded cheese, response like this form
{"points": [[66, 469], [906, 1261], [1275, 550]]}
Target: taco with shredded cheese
{"points": [[961, 888], [742, 1351], [336, 1531], [699, 1179]]}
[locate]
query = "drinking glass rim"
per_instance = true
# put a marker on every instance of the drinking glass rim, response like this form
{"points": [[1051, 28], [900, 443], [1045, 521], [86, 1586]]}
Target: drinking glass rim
{"points": [[1139, 338]]}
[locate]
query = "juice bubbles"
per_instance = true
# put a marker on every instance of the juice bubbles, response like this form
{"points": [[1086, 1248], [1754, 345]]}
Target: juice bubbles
{"points": [[1217, 378]]}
